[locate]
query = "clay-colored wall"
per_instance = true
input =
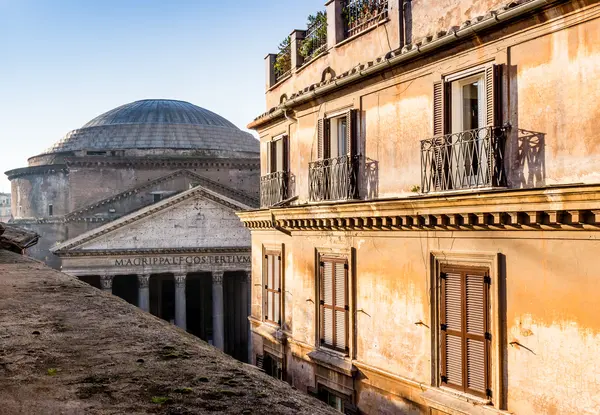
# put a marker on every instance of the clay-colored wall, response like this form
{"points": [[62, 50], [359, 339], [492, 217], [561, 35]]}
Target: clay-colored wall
{"points": [[551, 86], [392, 282]]}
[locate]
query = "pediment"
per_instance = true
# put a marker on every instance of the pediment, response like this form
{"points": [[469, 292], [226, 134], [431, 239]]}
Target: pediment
{"points": [[197, 218]]}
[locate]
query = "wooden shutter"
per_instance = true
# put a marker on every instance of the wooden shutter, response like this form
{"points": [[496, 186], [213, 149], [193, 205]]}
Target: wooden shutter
{"points": [[286, 153], [438, 108], [464, 332], [326, 303], [352, 132], [323, 139], [277, 289], [260, 361], [269, 158], [492, 95], [340, 306]]}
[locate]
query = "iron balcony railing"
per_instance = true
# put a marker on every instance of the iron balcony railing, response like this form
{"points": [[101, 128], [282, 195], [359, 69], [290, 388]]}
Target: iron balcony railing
{"points": [[315, 40], [273, 188], [465, 160], [333, 179], [359, 15], [283, 62]]}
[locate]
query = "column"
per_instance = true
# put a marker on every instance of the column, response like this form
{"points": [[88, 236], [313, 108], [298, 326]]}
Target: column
{"points": [[249, 287], [106, 283], [144, 292], [217, 306], [180, 306]]}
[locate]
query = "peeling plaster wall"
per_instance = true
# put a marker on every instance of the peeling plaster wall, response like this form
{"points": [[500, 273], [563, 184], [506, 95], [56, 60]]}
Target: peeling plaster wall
{"points": [[552, 370], [189, 224]]}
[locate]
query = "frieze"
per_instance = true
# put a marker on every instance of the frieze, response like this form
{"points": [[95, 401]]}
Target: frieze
{"points": [[182, 260]]}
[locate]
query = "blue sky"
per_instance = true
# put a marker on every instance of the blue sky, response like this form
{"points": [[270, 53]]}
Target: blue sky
{"points": [[63, 62]]}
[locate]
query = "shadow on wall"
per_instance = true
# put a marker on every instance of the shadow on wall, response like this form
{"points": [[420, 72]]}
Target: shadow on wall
{"points": [[529, 168], [371, 179]]}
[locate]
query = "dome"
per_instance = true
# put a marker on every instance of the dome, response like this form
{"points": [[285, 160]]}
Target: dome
{"points": [[156, 124]]}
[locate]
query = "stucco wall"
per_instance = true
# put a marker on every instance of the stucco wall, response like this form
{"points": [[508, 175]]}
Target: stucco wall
{"points": [[549, 311], [550, 88]]}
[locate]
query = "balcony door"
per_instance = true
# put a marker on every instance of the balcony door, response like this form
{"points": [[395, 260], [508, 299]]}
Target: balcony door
{"points": [[468, 118]]}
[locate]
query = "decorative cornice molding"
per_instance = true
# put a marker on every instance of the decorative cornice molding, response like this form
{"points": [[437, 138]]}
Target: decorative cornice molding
{"points": [[76, 215], [567, 208], [153, 251], [150, 210], [164, 162], [44, 169]]}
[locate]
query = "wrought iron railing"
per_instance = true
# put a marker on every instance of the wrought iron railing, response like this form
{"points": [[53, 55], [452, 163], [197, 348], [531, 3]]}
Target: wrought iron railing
{"points": [[283, 62], [333, 179], [465, 160], [315, 40], [273, 188], [359, 15]]}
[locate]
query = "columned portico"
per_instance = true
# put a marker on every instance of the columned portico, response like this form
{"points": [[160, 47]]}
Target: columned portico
{"points": [[218, 314], [180, 303], [144, 292], [106, 283]]}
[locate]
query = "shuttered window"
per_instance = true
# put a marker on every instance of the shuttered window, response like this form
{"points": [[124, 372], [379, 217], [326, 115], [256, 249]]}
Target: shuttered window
{"points": [[464, 330], [333, 303], [278, 154], [337, 136], [272, 287]]}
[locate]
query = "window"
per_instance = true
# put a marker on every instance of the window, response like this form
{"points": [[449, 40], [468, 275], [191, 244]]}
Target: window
{"points": [[273, 366], [272, 284], [50, 210], [337, 136], [341, 402], [467, 149], [96, 153], [465, 329], [156, 197], [277, 154], [333, 303]]}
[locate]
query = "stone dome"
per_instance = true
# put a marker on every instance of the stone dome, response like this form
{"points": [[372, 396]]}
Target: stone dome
{"points": [[158, 124]]}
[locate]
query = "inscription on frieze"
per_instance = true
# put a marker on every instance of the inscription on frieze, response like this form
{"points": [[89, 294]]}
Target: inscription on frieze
{"points": [[182, 260]]}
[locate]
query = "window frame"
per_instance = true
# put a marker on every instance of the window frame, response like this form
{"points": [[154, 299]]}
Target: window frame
{"points": [[326, 132], [266, 290], [321, 306], [497, 367], [272, 154]]}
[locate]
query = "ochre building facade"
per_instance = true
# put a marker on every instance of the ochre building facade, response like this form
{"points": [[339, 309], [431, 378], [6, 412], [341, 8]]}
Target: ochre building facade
{"points": [[430, 208]]}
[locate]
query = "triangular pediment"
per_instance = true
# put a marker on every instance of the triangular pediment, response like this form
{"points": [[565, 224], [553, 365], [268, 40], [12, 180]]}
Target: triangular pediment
{"points": [[197, 218]]}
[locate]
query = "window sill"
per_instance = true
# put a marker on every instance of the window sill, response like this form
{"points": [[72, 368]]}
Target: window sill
{"points": [[271, 332], [333, 361], [456, 403]]}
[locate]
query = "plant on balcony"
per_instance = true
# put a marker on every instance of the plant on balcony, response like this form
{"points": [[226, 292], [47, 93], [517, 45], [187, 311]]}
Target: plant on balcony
{"points": [[283, 61], [316, 36], [358, 12]]}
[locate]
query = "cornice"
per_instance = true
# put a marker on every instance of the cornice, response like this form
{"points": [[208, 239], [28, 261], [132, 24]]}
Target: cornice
{"points": [[152, 251], [148, 211], [566, 208], [45, 169], [76, 215], [163, 162]]}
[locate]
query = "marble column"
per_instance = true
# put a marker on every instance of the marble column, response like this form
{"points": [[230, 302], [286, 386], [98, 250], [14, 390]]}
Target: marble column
{"points": [[217, 308], [180, 305], [144, 292], [249, 291], [106, 283]]}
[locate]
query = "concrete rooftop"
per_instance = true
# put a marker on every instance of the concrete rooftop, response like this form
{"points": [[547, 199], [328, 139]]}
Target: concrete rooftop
{"points": [[68, 348]]}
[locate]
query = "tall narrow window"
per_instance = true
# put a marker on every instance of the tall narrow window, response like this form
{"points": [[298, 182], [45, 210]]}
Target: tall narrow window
{"points": [[50, 210], [156, 197], [272, 284], [333, 303], [464, 330], [277, 154]]}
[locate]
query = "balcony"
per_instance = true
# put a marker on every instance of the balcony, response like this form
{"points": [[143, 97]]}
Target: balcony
{"points": [[273, 188], [466, 160], [333, 179], [282, 66], [359, 15]]}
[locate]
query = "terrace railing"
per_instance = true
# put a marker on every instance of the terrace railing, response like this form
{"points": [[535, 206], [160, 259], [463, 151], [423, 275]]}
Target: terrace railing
{"points": [[465, 160], [283, 63], [273, 188], [333, 179], [315, 40], [359, 15]]}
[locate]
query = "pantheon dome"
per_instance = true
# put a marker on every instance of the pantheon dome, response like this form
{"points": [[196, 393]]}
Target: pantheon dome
{"points": [[125, 159]]}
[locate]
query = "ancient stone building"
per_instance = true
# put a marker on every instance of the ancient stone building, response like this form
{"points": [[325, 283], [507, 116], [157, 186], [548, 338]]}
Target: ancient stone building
{"points": [[430, 212], [5, 211], [140, 201]]}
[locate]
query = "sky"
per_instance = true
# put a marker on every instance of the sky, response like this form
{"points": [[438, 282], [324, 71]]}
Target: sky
{"points": [[64, 62]]}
